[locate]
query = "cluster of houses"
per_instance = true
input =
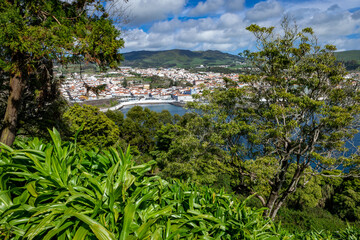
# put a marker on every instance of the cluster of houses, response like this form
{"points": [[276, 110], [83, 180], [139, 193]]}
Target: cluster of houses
{"points": [[74, 87]]}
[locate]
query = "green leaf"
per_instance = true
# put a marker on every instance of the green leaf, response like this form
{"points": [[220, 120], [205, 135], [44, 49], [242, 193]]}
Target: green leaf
{"points": [[31, 188], [81, 233], [100, 231], [129, 214]]}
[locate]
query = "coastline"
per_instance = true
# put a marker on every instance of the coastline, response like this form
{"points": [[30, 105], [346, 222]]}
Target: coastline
{"points": [[142, 102], [129, 103], [171, 107], [178, 104]]}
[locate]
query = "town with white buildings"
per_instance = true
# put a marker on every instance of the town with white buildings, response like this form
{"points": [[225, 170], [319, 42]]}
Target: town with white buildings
{"points": [[74, 88], [79, 87]]}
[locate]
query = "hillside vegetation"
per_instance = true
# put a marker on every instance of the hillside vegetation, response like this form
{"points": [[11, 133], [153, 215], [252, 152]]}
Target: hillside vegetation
{"points": [[348, 55], [179, 58], [210, 58], [191, 59], [350, 59]]}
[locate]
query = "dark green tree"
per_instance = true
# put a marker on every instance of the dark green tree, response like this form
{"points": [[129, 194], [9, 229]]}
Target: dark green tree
{"points": [[125, 83], [295, 113], [183, 154], [346, 201], [116, 116], [165, 117], [42, 104], [186, 150], [303, 110], [34, 34], [98, 130], [351, 65], [139, 128]]}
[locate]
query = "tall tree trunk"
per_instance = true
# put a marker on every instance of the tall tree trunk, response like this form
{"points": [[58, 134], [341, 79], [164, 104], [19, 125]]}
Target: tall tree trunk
{"points": [[276, 207], [276, 187], [12, 110], [277, 199]]}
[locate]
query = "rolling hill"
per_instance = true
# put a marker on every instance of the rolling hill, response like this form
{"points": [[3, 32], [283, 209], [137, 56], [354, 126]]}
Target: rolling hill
{"points": [[179, 58], [350, 59], [348, 55], [191, 59]]}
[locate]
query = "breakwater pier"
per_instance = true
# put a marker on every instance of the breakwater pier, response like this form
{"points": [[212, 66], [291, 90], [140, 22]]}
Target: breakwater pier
{"points": [[141, 102]]}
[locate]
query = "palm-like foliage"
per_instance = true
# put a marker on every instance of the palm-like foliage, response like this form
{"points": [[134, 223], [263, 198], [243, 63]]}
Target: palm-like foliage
{"points": [[58, 191], [53, 190]]}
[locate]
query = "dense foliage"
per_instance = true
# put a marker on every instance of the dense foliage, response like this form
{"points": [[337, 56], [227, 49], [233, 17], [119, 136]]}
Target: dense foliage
{"points": [[57, 190], [97, 129], [290, 120], [34, 35], [280, 135], [184, 147]]}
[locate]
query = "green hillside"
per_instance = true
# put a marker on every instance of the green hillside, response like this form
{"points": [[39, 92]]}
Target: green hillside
{"points": [[179, 58], [348, 55], [350, 59], [192, 59]]}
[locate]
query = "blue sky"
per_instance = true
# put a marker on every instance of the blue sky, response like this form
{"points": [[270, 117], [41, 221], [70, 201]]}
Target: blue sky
{"points": [[220, 24]]}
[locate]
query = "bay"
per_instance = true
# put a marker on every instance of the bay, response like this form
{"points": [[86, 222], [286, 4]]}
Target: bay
{"points": [[181, 111], [158, 108]]}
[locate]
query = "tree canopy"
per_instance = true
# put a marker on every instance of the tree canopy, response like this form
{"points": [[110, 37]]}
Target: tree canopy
{"points": [[35, 34], [97, 130], [292, 115]]}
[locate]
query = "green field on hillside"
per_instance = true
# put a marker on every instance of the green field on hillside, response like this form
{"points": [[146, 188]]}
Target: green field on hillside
{"points": [[179, 58], [348, 55]]}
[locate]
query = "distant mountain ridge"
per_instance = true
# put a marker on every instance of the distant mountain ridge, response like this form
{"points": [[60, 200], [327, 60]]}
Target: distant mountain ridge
{"points": [[179, 58], [350, 59], [191, 59], [352, 55]]}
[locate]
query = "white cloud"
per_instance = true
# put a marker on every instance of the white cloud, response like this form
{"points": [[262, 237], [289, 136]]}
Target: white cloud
{"points": [[234, 5], [320, 4], [356, 15], [231, 20], [224, 29], [329, 22], [166, 26], [302, 14], [207, 7], [145, 11], [332, 22], [226, 33], [345, 44], [265, 10], [137, 39], [211, 7], [334, 8]]}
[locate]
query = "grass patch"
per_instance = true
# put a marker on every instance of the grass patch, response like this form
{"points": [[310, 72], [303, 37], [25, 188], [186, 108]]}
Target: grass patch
{"points": [[309, 219]]}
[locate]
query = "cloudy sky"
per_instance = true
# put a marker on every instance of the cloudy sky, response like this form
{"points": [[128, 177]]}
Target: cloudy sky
{"points": [[220, 24]]}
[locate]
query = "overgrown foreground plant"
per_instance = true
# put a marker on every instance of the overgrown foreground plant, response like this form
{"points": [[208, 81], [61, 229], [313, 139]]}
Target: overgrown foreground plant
{"points": [[56, 191]]}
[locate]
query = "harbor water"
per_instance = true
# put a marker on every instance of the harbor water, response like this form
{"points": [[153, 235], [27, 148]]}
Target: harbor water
{"points": [[181, 111], [158, 108]]}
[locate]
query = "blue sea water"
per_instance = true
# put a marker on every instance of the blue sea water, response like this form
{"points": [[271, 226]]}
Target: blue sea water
{"points": [[181, 111], [158, 108]]}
